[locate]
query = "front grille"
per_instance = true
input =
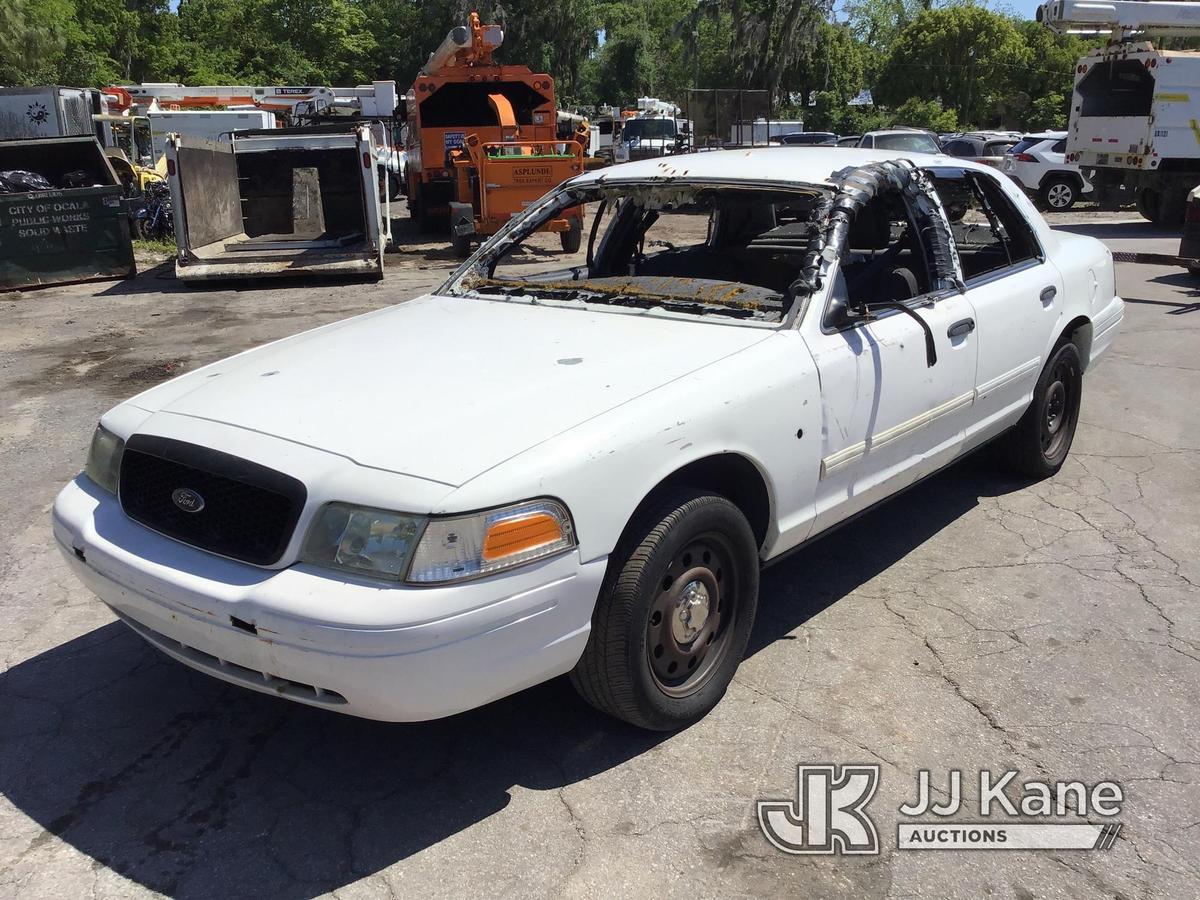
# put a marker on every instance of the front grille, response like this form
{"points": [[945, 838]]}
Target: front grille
{"points": [[645, 153], [245, 511]]}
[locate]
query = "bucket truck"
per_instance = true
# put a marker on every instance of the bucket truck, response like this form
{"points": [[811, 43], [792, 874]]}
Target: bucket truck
{"points": [[1135, 110]]}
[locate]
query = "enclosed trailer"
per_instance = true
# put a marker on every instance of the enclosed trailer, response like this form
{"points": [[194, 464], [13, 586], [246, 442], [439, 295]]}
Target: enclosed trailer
{"points": [[302, 201], [74, 229]]}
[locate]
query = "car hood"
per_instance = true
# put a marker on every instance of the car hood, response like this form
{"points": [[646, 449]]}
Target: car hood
{"points": [[444, 388]]}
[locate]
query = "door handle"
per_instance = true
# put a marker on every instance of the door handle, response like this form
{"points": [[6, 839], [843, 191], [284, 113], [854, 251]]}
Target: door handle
{"points": [[960, 328], [1048, 294]]}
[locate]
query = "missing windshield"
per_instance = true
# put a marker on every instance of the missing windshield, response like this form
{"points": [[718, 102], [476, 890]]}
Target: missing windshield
{"points": [[727, 251]]}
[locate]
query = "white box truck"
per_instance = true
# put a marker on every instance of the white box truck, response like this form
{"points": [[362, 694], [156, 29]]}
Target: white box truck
{"points": [[1134, 109]]}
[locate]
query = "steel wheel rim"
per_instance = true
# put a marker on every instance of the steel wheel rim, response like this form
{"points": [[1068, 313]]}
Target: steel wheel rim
{"points": [[690, 623], [1057, 410], [1059, 195]]}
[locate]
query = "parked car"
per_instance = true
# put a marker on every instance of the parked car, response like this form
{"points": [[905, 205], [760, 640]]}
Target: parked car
{"points": [[981, 147], [908, 140], [1038, 163], [530, 473], [849, 140], [805, 138]]}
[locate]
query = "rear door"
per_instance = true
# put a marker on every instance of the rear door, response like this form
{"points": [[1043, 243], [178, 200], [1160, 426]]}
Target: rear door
{"points": [[1015, 291], [373, 210]]}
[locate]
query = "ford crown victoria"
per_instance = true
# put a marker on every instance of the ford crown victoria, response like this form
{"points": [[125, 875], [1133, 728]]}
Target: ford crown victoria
{"points": [[533, 472]]}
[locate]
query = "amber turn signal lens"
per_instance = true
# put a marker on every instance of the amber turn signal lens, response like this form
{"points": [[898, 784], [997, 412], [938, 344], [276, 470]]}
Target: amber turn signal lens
{"points": [[516, 535]]}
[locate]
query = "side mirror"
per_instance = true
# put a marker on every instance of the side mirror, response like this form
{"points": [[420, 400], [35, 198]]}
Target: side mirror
{"points": [[840, 314]]}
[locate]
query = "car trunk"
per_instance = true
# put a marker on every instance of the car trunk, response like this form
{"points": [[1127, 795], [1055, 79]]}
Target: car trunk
{"points": [[75, 231], [294, 202]]}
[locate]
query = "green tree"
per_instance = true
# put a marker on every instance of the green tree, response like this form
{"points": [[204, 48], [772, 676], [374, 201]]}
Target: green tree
{"points": [[964, 56], [1039, 94], [33, 39]]}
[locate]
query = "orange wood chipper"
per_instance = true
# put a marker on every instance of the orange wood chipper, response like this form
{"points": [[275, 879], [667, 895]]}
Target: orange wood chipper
{"points": [[482, 142]]}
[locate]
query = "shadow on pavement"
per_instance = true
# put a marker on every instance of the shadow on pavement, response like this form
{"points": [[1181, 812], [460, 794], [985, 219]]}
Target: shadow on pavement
{"points": [[1117, 230], [195, 788], [1185, 282]]}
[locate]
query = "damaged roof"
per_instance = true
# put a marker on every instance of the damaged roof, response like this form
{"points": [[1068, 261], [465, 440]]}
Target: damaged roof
{"points": [[786, 165]]}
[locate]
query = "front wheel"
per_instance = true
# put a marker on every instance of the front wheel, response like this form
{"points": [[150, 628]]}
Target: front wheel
{"points": [[674, 614], [1038, 444]]}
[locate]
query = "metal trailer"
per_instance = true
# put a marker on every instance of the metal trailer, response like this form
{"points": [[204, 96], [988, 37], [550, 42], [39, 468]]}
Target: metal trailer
{"points": [[1134, 109], [69, 233], [303, 201]]}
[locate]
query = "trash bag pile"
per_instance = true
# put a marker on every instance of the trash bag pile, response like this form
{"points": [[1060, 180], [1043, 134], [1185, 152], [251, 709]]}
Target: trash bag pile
{"points": [[19, 181]]}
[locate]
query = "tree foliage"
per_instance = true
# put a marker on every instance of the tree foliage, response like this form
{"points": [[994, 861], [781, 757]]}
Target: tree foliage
{"points": [[928, 62], [963, 55]]}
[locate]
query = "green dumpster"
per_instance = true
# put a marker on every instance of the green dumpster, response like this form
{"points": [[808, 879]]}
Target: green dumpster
{"points": [[69, 233]]}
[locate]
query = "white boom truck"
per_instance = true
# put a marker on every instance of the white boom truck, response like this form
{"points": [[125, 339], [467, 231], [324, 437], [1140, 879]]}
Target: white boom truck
{"points": [[655, 131], [1135, 110]]}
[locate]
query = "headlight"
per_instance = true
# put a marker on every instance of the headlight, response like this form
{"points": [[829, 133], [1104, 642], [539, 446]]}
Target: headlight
{"points": [[423, 550], [104, 459], [359, 539], [462, 547]]}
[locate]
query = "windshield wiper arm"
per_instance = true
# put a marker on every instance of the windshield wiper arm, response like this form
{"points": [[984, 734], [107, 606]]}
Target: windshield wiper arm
{"points": [[615, 298]]}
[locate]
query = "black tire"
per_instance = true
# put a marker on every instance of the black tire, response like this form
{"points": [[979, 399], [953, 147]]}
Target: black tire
{"points": [[420, 216], [635, 667], [1038, 444], [572, 237], [1059, 194], [1148, 202], [1172, 206], [461, 243]]}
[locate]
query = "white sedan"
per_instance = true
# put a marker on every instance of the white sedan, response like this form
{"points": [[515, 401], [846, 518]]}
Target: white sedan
{"points": [[529, 473]]}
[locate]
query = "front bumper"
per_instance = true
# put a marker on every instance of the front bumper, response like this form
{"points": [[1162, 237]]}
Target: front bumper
{"points": [[394, 653]]}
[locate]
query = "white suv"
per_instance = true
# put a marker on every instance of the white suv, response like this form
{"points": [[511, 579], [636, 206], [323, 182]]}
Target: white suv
{"points": [[1038, 164]]}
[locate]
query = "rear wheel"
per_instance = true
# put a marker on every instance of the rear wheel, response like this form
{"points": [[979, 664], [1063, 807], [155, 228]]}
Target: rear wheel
{"points": [[674, 615], [1038, 444], [1172, 206], [1059, 194], [1147, 202]]}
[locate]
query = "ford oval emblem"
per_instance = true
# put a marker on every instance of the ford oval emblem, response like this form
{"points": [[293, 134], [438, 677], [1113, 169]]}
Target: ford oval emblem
{"points": [[187, 500]]}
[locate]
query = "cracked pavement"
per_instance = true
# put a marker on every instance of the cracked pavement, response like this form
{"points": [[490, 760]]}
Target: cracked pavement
{"points": [[978, 621]]}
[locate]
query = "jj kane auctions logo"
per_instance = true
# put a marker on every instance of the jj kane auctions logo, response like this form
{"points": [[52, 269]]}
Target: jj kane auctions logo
{"points": [[829, 814]]}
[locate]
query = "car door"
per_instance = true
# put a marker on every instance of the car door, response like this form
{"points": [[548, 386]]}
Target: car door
{"points": [[889, 416], [1015, 291]]}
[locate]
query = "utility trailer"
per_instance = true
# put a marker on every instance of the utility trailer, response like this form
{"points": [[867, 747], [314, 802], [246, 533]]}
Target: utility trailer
{"points": [[1134, 109], [76, 228], [302, 201]]}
